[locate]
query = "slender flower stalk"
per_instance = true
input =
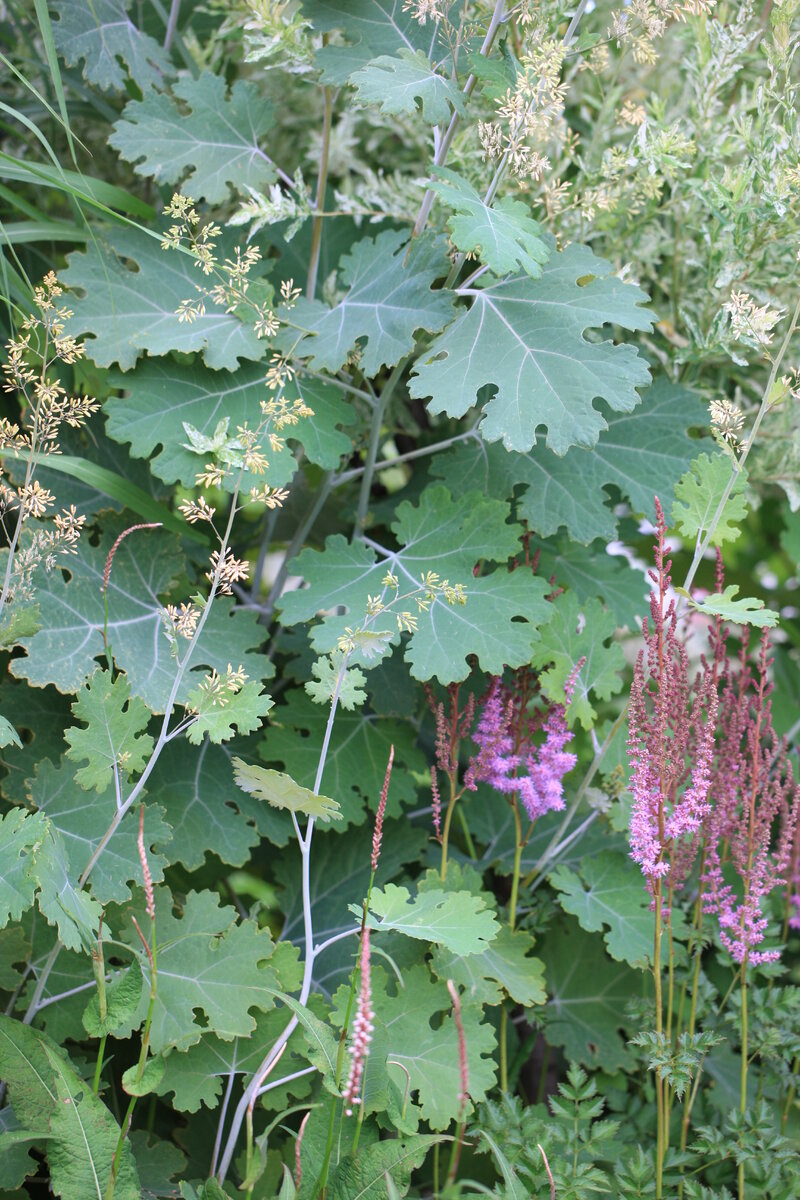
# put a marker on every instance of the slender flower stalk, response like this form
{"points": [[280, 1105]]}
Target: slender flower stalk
{"points": [[463, 1073], [378, 831], [147, 878], [362, 1031]]}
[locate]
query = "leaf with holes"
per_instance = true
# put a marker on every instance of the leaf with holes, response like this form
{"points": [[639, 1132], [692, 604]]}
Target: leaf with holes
{"points": [[387, 300], [526, 338], [202, 130], [407, 83], [577, 632], [101, 34], [127, 291], [503, 235], [113, 739], [505, 967]]}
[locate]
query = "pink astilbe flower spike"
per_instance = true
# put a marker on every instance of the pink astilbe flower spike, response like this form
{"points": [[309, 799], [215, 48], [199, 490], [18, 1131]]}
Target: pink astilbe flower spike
{"points": [[362, 1031], [378, 831]]}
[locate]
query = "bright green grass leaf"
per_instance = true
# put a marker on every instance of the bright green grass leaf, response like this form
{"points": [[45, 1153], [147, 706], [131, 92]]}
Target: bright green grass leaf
{"points": [[577, 632], [281, 791], [607, 894], [357, 755], [162, 396], [77, 1132], [21, 834], [588, 994], [128, 290], [113, 737], [641, 453], [101, 33], [430, 1056], [442, 535], [505, 967], [65, 649], [81, 818], [457, 920], [503, 235], [216, 140], [387, 300], [206, 963], [526, 338], [243, 712], [367, 1174], [699, 492], [747, 611], [87, 189], [405, 84], [323, 686]]}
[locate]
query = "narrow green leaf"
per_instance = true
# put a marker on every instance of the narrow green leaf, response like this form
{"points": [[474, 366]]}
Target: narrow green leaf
{"points": [[281, 791]]}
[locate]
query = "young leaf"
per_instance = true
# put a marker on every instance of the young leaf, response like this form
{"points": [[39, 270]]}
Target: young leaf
{"points": [[577, 632], [113, 738], [99, 35], [70, 1124], [326, 672], [374, 27], [747, 611], [281, 791], [458, 920], [387, 300], [150, 1078], [8, 734], [406, 83], [699, 492], [244, 711], [21, 835], [123, 998], [525, 337], [503, 235], [216, 140]]}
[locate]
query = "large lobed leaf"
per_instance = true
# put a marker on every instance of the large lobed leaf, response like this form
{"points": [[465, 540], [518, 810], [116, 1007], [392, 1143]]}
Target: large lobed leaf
{"points": [[216, 141], [525, 337], [399, 83], [99, 35], [449, 537], [373, 28]]}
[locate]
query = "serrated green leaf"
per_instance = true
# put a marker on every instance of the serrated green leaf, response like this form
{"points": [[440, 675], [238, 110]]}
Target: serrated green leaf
{"points": [[387, 300], [588, 994], [641, 453], [281, 791], [406, 83], [699, 492], [206, 963], [99, 35], [430, 1056], [458, 920], [19, 623], [747, 611], [123, 998], [8, 734], [326, 673], [525, 337], [365, 1176], [64, 651], [73, 911], [448, 537], [577, 632], [114, 735], [243, 712], [591, 572], [213, 136], [81, 820], [607, 894], [21, 834], [76, 1131], [503, 235], [163, 396], [373, 27], [127, 292], [505, 967]]}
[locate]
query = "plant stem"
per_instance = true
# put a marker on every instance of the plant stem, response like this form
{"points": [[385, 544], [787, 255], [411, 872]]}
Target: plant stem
{"points": [[378, 413], [448, 817], [659, 1030], [319, 203], [298, 538], [743, 1067]]}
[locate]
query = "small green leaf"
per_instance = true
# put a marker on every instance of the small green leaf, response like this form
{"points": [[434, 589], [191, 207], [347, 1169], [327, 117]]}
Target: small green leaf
{"points": [[8, 734], [243, 711], [114, 737], [577, 632], [281, 791], [21, 835], [150, 1078], [406, 83], [747, 611], [699, 493], [326, 671], [503, 234], [123, 997], [100, 35], [458, 920]]}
